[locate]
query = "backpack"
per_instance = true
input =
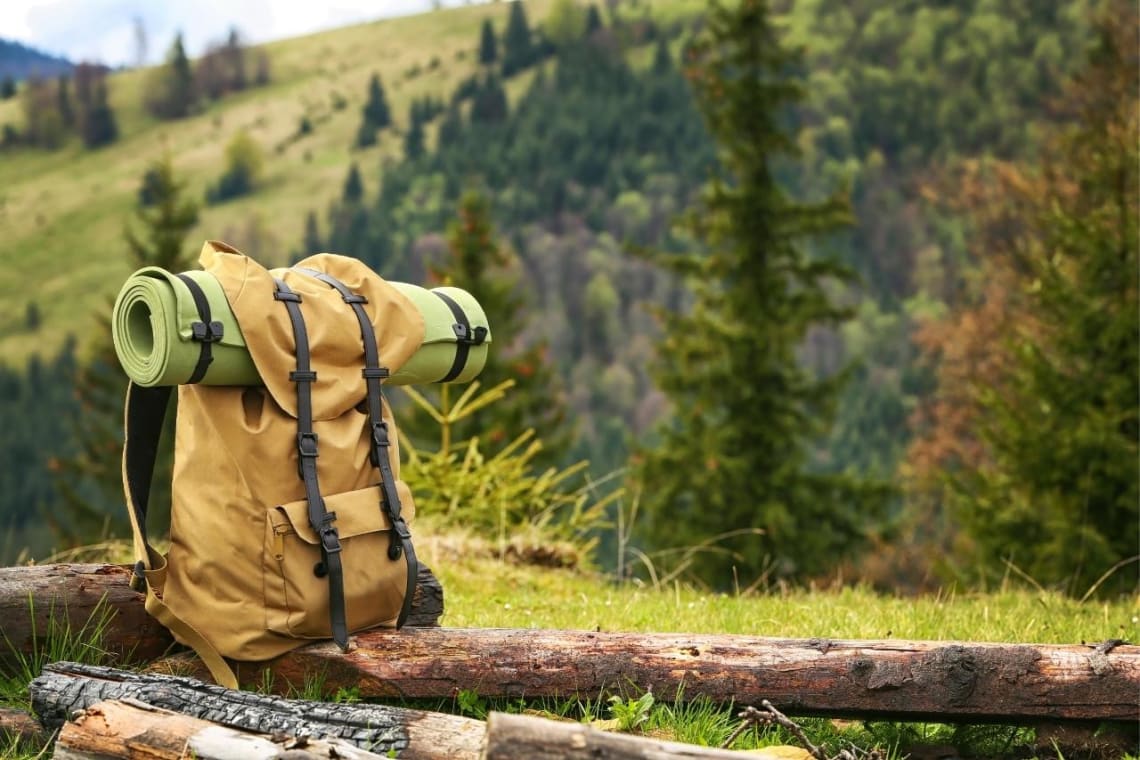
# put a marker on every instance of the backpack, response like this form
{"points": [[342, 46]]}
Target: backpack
{"points": [[288, 520]]}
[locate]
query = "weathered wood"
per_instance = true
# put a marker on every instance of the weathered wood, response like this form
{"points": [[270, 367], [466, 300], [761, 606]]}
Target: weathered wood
{"points": [[38, 599], [63, 688], [17, 725], [515, 736], [119, 729], [905, 680]]}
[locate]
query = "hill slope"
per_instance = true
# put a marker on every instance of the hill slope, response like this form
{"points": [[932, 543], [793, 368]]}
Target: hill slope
{"points": [[20, 61], [63, 212]]}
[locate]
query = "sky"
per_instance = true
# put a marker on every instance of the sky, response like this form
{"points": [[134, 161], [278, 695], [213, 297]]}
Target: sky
{"points": [[104, 30]]}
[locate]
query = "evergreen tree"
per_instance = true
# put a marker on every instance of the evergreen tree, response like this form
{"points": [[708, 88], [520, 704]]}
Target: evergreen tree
{"points": [[484, 269], [7, 87], [518, 49], [98, 121], [451, 128], [171, 94], [488, 51], [1059, 493], [312, 240], [353, 189], [375, 116], [90, 481], [662, 58], [490, 103], [593, 20], [735, 457], [414, 140], [376, 111], [66, 112]]}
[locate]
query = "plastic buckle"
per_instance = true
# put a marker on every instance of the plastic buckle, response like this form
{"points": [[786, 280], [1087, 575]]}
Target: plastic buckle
{"points": [[207, 333], [379, 441], [480, 336], [330, 539]]}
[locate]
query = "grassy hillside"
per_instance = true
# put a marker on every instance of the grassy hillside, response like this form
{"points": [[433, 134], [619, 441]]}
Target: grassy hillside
{"points": [[62, 213]]}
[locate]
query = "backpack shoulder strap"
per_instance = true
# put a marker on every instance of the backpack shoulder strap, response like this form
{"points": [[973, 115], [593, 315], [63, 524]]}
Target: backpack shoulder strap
{"points": [[401, 537], [145, 409]]}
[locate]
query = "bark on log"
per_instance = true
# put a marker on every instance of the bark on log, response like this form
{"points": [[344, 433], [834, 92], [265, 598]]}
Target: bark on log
{"points": [[37, 599], [19, 726], [905, 680], [64, 687], [119, 729], [513, 736]]}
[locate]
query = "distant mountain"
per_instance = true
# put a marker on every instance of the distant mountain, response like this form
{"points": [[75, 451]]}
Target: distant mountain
{"points": [[20, 61]]}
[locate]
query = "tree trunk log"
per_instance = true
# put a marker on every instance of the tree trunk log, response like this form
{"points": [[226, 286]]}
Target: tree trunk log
{"points": [[132, 729], [19, 726], [38, 599], [906, 680], [515, 736], [63, 688]]}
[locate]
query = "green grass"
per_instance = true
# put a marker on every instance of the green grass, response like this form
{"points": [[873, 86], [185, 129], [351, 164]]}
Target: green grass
{"points": [[485, 592]]}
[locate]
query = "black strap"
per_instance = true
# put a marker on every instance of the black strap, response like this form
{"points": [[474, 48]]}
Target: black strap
{"points": [[401, 538], [146, 410], [465, 337], [206, 332], [320, 519]]}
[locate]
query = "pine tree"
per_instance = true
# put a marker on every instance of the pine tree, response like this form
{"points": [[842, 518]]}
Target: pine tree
{"points": [[490, 103], [414, 140], [1058, 493], [451, 128], [488, 50], [90, 482], [353, 187], [66, 112], [734, 459], [518, 49], [481, 267], [593, 20], [376, 111], [7, 87], [171, 94], [98, 120], [662, 58], [312, 241]]}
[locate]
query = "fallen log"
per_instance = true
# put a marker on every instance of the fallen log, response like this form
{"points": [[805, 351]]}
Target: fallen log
{"points": [[514, 736], [38, 600], [903, 680], [64, 688], [128, 729], [18, 726]]}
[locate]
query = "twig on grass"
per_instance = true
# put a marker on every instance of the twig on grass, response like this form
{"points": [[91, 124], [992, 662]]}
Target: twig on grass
{"points": [[750, 716]]}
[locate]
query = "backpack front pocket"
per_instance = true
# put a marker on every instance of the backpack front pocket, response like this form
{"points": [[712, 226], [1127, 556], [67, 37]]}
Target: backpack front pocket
{"points": [[297, 582]]}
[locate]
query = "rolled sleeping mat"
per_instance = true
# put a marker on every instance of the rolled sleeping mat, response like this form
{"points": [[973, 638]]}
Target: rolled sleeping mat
{"points": [[156, 316]]}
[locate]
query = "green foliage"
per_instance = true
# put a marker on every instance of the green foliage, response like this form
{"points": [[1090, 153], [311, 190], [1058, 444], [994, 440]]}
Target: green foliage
{"points": [[488, 49], [1060, 495], [481, 266], [503, 495], [735, 457], [518, 49], [376, 114], [414, 140], [98, 126], [170, 92], [468, 702], [565, 22], [629, 713], [90, 480], [7, 87], [60, 641], [243, 169], [353, 193]]}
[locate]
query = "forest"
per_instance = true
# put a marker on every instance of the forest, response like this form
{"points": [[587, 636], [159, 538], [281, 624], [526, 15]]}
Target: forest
{"points": [[898, 345]]}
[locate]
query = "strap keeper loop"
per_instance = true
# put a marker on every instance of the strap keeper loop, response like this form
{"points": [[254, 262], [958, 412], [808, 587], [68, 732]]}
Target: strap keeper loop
{"points": [[306, 376]]}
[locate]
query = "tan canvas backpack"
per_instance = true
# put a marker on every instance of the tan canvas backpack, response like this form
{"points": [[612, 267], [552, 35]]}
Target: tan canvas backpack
{"points": [[288, 519]]}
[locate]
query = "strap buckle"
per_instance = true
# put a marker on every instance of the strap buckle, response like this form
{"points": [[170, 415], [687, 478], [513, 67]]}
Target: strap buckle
{"points": [[330, 538], [472, 336], [379, 441], [207, 332]]}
